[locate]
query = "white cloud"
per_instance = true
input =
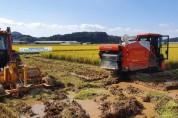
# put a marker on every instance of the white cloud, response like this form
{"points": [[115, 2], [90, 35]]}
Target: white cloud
{"points": [[168, 29], [43, 29], [121, 31], [37, 28], [86, 27]]}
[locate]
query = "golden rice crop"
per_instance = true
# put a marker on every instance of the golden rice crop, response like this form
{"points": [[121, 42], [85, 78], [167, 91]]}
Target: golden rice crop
{"points": [[56, 47], [89, 57], [89, 53], [172, 62]]}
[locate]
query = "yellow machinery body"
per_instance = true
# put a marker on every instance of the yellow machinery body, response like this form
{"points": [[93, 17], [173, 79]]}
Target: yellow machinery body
{"points": [[13, 77]]}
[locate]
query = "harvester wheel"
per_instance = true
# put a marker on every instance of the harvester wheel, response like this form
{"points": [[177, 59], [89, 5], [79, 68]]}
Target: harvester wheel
{"points": [[47, 80], [2, 91], [163, 66]]}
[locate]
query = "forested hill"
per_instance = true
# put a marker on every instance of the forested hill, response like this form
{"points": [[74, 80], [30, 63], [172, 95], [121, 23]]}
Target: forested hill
{"points": [[93, 37], [174, 39]]}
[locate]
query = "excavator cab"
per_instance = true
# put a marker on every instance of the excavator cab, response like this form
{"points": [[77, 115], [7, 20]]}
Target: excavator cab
{"points": [[4, 58], [5, 47]]}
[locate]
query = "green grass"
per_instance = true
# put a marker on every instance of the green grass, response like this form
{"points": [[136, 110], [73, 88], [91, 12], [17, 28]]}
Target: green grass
{"points": [[156, 76], [86, 94], [166, 74], [158, 95], [172, 64], [169, 110], [165, 107]]}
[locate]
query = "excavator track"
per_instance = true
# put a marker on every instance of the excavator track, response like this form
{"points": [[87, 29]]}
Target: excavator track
{"points": [[2, 91]]}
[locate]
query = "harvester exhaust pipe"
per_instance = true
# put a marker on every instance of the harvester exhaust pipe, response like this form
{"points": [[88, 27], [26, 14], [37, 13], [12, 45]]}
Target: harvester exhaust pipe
{"points": [[8, 30]]}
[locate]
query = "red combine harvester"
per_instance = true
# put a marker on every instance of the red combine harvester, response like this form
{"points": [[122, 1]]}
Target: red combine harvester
{"points": [[144, 51]]}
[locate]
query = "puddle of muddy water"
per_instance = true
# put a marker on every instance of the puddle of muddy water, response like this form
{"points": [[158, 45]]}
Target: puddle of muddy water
{"points": [[88, 105], [168, 82], [37, 109]]}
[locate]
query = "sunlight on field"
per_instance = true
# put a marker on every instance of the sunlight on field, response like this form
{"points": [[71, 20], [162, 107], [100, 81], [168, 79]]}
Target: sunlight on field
{"points": [[75, 53], [173, 52], [57, 47], [84, 53], [89, 57]]}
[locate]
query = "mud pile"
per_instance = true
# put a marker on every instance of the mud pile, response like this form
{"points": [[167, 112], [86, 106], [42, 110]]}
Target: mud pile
{"points": [[111, 81], [90, 74], [162, 85], [74, 110], [55, 109], [132, 90], [122, 108], [60, 95], [115, 90], [61, 106]]}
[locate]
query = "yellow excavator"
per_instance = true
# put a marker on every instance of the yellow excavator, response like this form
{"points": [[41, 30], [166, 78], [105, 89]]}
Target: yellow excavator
{"points": [[16, 79]]}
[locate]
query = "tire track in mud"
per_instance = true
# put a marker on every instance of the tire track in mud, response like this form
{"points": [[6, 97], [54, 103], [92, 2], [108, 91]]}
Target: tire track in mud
{"points": [[88, 73], [71, 67], [83, 71]]}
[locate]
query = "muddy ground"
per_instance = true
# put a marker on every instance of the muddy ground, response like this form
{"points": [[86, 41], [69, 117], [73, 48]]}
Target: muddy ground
{"points": [[86, 91]]}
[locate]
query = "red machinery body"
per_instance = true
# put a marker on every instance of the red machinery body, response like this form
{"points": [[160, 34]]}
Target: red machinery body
{"points": [[141, 53]]}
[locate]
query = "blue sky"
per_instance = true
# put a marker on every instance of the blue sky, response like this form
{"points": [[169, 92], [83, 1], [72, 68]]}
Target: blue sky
{"points": [[116, 17]]}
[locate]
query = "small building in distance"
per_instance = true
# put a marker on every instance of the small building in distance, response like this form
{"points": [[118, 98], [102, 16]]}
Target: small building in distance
{"points": [[57, 42], [87, 43], [19, 42]]}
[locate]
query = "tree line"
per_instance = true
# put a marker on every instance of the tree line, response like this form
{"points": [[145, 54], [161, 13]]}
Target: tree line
{"points": [[93, 37]]}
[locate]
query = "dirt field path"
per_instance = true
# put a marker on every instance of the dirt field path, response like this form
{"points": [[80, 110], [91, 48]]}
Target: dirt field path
{"points": [[62, 70], [106, 97]]}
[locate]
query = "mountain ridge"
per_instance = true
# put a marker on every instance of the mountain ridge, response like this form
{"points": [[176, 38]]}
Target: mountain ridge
{"points": [[93, 37]]}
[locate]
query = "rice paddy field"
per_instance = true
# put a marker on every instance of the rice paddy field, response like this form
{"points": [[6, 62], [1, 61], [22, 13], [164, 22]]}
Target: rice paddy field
{"points": [[87, 53], [58, 47], [75, 53], [86, 91]]}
